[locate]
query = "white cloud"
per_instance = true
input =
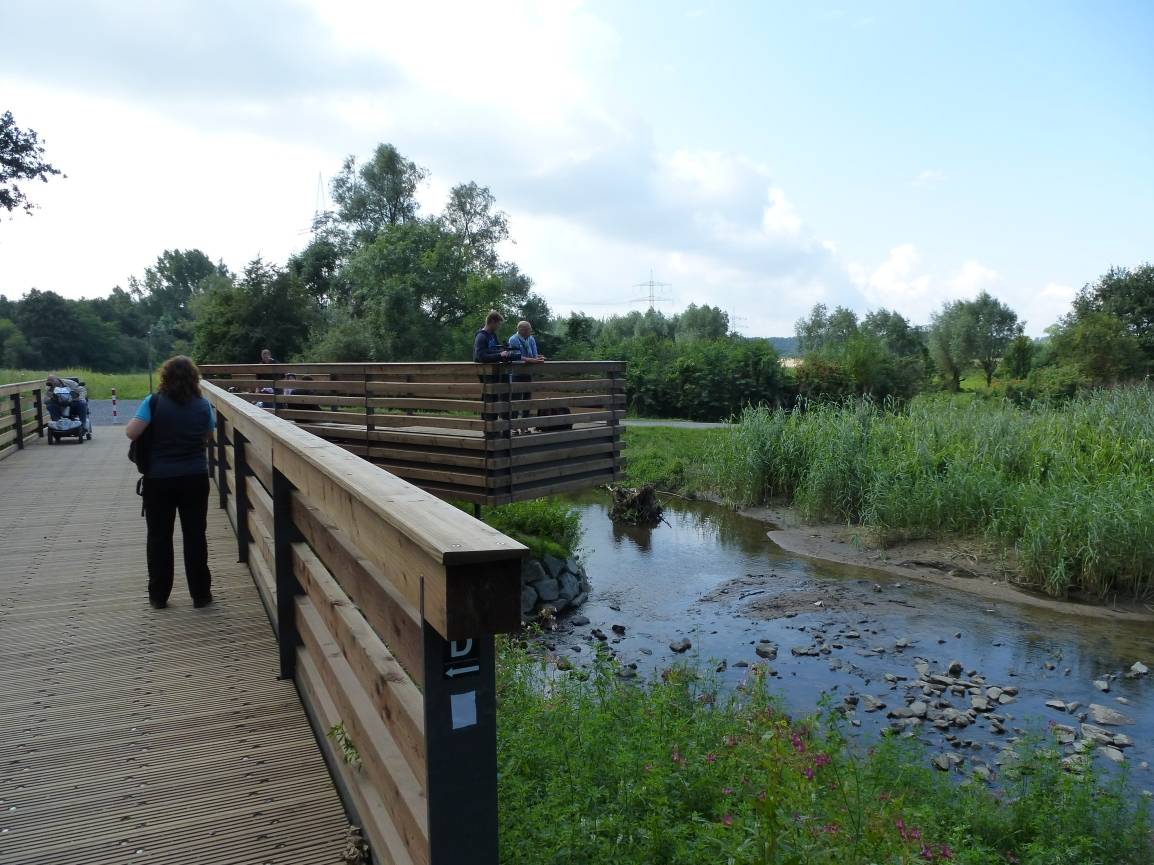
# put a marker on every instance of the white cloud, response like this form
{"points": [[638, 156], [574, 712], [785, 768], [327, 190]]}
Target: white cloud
{"points": [[928, 178], [780, 216], [973, 278], [895, 283]]}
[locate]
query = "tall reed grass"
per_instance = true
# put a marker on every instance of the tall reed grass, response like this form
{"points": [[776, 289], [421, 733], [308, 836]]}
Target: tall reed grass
{"points": [[1067, 487]]}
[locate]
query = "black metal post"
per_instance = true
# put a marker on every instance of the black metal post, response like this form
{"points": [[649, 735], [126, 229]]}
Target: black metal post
{"points": [[19, 415], [38, 395], [221, 463], [461, 749], [286, 583], [240, 479]]}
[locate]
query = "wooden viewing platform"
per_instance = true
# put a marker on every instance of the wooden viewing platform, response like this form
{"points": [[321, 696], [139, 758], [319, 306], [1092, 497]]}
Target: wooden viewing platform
{"points": [[203, 735], [462, 431]]}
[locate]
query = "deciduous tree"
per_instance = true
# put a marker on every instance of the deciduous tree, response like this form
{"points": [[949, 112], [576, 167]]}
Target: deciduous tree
{"points": [[21, 158]]}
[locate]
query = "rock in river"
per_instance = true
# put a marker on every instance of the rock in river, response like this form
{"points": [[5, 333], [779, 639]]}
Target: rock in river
{"points": [[682, 645], [1109, 717]]}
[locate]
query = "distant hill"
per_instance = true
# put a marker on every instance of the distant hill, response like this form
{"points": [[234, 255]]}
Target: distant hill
{"points": [[786, 346]]}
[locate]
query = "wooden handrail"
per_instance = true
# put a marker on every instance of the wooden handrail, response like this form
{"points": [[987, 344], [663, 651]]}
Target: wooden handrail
{"points": [[20, 417], [385, 601]]}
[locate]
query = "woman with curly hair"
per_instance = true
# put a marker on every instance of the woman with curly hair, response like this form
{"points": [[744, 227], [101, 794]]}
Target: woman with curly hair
{"points": [[176, 479]]}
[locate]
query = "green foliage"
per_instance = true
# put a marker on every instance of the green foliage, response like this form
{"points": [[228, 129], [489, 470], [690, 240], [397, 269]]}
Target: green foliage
{"points": [[1099, 345], [343, 742], [993, 325], [21, 158], [672, 460], [1067, 487], [1128, 295], [267, 308], [705, 380], [380, 193], [675, 771], [1018, 359], [545, 526], [128, 385]]}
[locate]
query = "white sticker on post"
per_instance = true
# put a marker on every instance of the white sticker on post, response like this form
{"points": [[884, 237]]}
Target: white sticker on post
{"points": [[464, 709]]}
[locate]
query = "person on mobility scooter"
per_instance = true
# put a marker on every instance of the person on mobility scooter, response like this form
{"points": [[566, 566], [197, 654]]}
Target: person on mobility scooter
{"points": [[67, 401]]}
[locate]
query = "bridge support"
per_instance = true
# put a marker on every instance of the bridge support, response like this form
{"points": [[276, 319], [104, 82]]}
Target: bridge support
{"points": [[461, 748], [284, 534]]}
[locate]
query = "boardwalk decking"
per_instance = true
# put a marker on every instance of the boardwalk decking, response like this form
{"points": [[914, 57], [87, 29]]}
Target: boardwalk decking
{"points": [[133, 735]]}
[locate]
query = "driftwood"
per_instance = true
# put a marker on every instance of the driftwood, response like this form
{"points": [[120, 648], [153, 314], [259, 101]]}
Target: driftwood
{"points": [[638, 507]]}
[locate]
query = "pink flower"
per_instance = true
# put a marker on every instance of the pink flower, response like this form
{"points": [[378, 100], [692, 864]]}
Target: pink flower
{"points": [[711, 758], [822, 760], [808, 772], [798, 744], [727, 820], [726, 791]]}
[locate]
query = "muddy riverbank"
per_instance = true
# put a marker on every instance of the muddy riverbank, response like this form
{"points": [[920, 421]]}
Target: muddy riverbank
{"points": [[718, 581], [955, 565]]}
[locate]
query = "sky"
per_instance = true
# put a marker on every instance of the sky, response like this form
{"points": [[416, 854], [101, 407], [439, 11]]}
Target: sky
{"points": [[757, 156]]}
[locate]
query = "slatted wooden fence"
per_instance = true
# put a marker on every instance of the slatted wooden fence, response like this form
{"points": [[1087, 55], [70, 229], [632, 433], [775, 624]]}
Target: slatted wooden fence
{"points": [[21, 414], [385, 600], [484, 433]]}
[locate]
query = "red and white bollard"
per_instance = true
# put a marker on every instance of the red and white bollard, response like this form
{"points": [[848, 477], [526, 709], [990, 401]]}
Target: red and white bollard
{"points": [[115, 419]]}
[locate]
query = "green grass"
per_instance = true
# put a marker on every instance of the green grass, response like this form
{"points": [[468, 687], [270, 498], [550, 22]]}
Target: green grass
{"points": [[1068, 488], [672, 459], [678, 772], [129, 385], [545, 526]]}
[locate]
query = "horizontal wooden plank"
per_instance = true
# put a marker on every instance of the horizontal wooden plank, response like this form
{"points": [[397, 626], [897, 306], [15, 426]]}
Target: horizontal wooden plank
{"points": [[395, 695], [393, 619], [20, 387], [599, 385], [399, 787]]}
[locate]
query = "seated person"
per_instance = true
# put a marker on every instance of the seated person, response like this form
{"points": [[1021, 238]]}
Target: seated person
{"points": [[79, 398]]}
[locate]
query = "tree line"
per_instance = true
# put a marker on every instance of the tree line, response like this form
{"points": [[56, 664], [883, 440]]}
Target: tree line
{"points": [[382, 281], [1106, 338]]}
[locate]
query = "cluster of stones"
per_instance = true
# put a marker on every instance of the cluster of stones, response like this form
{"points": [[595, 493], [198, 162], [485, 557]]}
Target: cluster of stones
{"points": [[952, 700], [1094, 735], [551, 585]]}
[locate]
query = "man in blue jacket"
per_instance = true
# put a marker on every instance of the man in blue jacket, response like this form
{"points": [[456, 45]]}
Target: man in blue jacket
{"points": [[486, 347]]}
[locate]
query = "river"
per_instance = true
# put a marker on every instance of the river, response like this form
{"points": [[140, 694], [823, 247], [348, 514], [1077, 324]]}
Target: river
{"points": [[713, 577]]}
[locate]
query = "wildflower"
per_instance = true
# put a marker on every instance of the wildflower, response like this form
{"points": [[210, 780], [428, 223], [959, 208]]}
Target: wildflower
{"points": [[761, 796], [798, 744], [831, 828], [726, 791], [730, 742], [711, 758], [821, 759], [727, 820], [808, 773], [676, 756]]}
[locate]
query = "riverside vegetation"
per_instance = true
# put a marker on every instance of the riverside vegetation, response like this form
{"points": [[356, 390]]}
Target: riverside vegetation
{"points": [[678, 772], [1066, 488]]}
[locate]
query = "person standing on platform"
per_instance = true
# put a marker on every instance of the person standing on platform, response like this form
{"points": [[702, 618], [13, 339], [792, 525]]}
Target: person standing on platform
{"points": [[523, 342], [181, 423]]}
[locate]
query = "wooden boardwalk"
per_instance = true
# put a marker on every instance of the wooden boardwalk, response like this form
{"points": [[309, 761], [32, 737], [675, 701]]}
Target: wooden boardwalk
{"points": [[128, 734]]}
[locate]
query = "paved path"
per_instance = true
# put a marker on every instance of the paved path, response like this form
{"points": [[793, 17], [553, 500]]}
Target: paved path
{"points": [[133, 735]]}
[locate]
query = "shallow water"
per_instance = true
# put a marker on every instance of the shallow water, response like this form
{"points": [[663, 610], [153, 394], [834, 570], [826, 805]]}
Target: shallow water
{"points": [[714, 577]]}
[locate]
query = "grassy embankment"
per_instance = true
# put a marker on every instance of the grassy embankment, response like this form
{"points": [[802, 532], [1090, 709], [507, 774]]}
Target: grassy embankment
{"points": [[1067, 489], [129, 385], [593, 769]]}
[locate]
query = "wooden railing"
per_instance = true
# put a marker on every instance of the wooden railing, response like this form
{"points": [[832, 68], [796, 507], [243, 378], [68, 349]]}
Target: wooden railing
{"points": [[484, 433], [21, 414], [385, 601]]}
